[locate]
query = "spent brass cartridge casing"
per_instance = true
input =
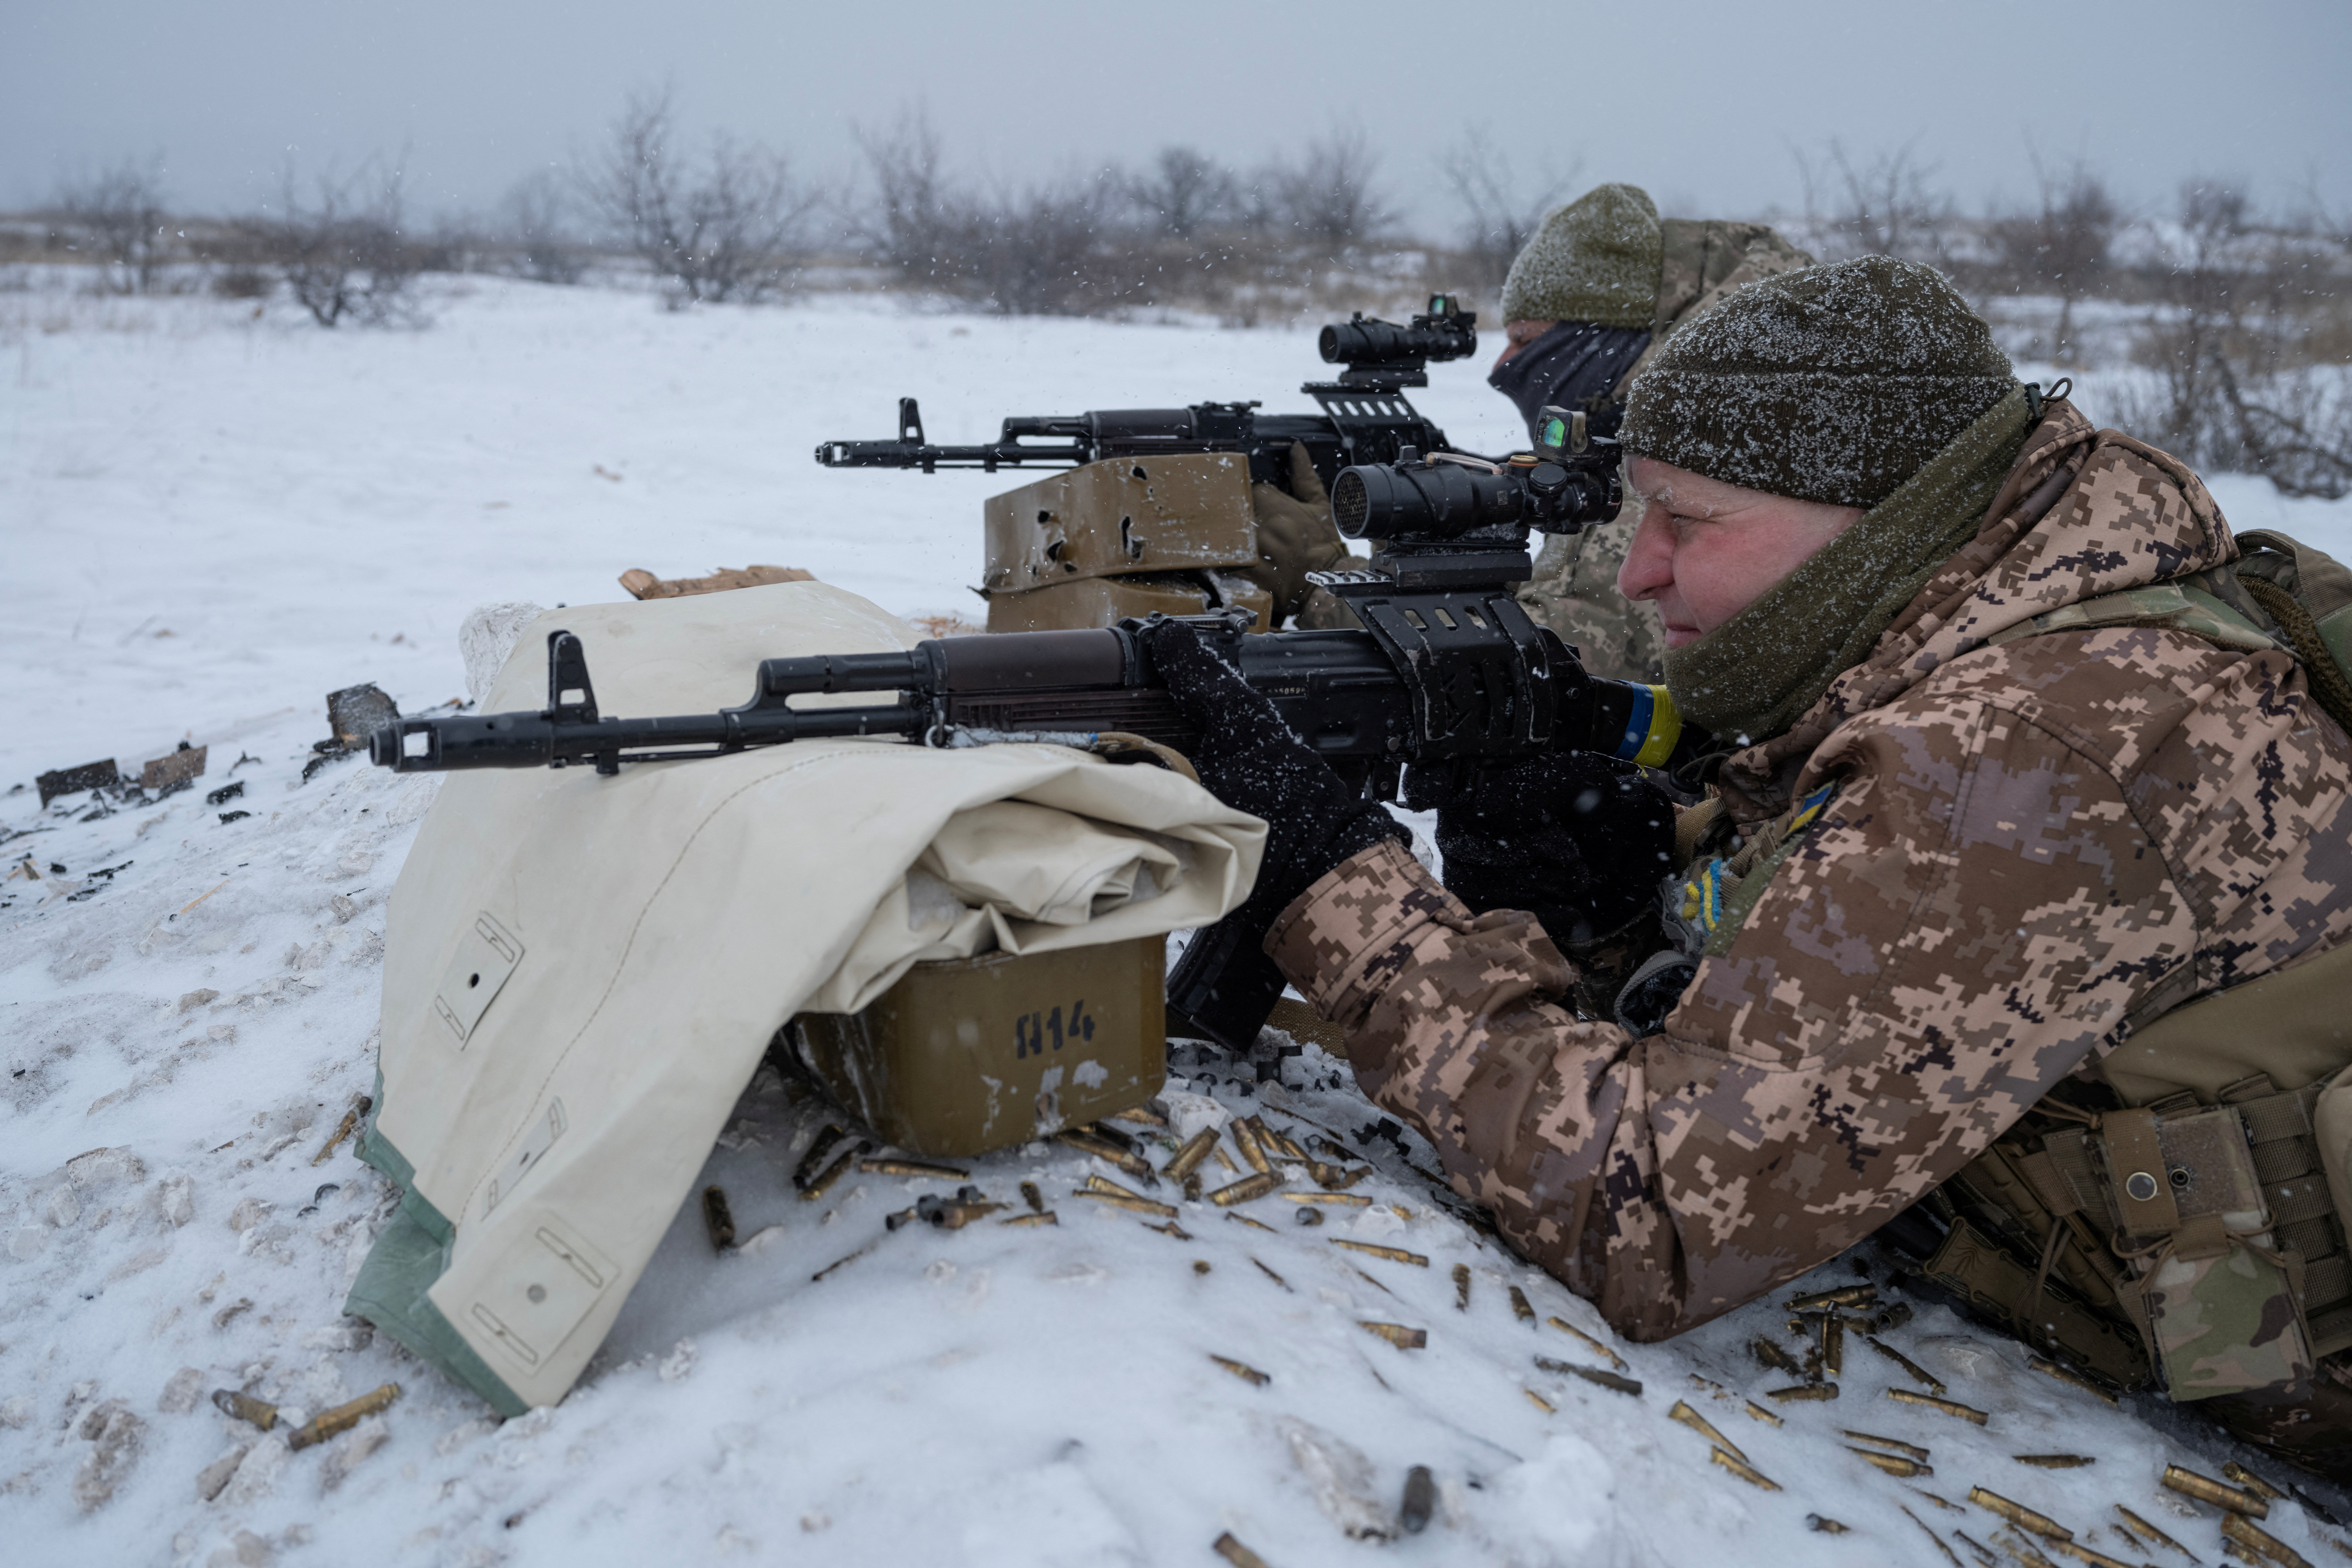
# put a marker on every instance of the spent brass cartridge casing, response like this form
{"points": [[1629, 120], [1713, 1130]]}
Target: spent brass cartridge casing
{"points": [[2082, 1553], [1242, 1370], [1539, 1400], [2073, 1379], [1093, 1184], [1234, 1553], [717, 1218], [1944, 1406], [1420, 1500], [1032, 1197], [1746, 1472], [1246, 1189], [1683, 1413], [1397, 1334], [1893, 1464], [2204, 1489], [1373, 1249], [1949, 1555], [2260, 1542], [923, 1168], [1225, 1158], [2017, 1514], [1984, 1553], [1774, 1358], [2134, 1524], [1192, 1188], [819, 1277], [1042, 1216], [1245, 1140], [2055, 1461], [830, 1174], [1926, 1379], [1461, 1287], [2253, 1482], [1196, 1148], [245, 1407], [905, 1216], [1843, 1296], [1519, 1308], [1109, 1134], [1310, 1216], [1335, 1178], [343, 1131], [1200, 1266], [1757, 1412], [1284, 1146], [1834, 1345], [812, 1162], [342, 1417], [1128, 1201], [1172, 1228], [1595, 1375], [1141, 1115], [1581, 1337], [1253, 1223], [1270, 1274], [1894, 1317], [1821, 1526], [954, 1215], [1803, 1391], [1110, 1154], [1896, 1444], [1369, 1280], [1342, 1200]]}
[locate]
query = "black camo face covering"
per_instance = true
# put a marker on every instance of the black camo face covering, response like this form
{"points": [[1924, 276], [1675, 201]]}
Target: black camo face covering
{"points": [[1568, 367]]}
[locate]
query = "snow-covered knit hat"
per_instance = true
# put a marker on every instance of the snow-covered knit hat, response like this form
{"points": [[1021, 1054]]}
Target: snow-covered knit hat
{"points": [[1831, 383], [1596, 259]]}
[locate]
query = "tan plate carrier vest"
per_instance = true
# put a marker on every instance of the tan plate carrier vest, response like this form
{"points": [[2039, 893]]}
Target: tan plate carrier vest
{"points": [[2201, 1232]]}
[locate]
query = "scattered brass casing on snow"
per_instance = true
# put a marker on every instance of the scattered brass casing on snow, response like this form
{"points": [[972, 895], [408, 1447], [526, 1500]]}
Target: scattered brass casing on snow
{"points": [[1773, 1357], [1034, 1199], [810, 1162], [1584, 1339], [1234, 1553], [342, 1417], [1539, 1400], [1519, 1308], [2017, 1514], [1248, 1187], [2048, 1368], [1245, 1140], [2055, 1461], [1896, 1444], [1944, 1407], [1683, 1413], [1397, 1334], [1242, 1370], [1927, 1379], [1372, 1249], [1043, 1216], [1803, 1391], [831, 1174], [1747, 1473], [1843, 1296], [1461, 1287], [2204, 1489], [1124, 1201], [2253, 1482], [913, 1168], [1893, 1464], [717, 1217], [245, 1407], [2260, 1542], [2134, 1524], [1345, 1200], [1196, 1148]]}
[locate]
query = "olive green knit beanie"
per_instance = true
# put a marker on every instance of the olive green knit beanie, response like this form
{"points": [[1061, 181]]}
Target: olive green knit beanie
{"points": [[1596, 259], [1832, 384]]}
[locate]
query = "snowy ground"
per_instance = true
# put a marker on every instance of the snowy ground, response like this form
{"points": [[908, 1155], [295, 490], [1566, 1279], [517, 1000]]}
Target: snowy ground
{"points": [[211, 520]]}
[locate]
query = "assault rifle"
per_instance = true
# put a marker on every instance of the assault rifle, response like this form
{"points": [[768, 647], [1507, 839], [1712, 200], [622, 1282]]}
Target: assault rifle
{"points": [[1366, 418], [1448, 674]]}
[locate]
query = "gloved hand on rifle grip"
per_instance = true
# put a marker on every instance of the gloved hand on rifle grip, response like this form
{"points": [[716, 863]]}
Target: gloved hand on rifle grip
{"points": [[1578, 839], [1248, 758]]}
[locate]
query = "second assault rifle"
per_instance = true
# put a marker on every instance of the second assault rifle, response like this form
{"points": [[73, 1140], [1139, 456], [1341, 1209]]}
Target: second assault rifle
{"points": [[1365, 419], [1447, 675]]}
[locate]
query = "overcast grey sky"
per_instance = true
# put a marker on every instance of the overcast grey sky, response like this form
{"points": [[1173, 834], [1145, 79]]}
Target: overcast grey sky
{"points": [[1699, 100]]}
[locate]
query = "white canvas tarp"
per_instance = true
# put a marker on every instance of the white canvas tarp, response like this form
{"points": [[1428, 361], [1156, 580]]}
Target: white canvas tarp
{"points": [[581, 973]]}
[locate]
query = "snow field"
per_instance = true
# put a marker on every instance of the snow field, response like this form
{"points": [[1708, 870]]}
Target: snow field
{"points": [[180, 1038]]}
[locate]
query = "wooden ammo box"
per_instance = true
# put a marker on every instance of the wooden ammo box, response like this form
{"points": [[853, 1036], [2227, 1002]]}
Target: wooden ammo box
{"points": [[968, 1055]]}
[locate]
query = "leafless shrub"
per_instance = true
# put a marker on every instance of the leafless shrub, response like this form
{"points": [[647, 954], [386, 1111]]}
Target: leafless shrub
{"points": [[1184, 193], [2063, 246], [1329, 198], [536, 221], [911, 224], [727, 228], [2238, 387], [1500, 214], [342, 252], [1887, 205], [119, 212]]}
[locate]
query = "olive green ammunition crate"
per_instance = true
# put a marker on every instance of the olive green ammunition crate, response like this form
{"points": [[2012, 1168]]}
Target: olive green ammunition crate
{"points": [[968, 1055], [1182, 512]]}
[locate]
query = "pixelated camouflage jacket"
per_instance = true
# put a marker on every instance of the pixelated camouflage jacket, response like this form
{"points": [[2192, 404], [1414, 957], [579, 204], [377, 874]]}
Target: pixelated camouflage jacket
{"points": [[1574, 589], [2027, 842]]}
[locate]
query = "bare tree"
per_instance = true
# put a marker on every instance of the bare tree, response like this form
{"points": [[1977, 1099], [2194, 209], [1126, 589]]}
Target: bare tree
{"points": [[1329, 198], [342, 251], [536, 218], [2065, 246], [120, 214], [724, 230], [1184, 192], [1499, 216], [1888, 206], [911, 223]]}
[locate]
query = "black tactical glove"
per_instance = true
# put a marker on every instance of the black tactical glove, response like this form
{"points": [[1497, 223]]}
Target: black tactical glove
{"points": [[1248, 758], [1578, 839]]}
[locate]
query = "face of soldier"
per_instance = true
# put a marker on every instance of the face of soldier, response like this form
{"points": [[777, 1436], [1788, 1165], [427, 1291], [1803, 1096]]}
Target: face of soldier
{"points": [[1705, 549]]}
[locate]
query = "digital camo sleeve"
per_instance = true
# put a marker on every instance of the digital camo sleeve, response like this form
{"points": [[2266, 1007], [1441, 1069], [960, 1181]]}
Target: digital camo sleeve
{"points": [[1978, 909]]}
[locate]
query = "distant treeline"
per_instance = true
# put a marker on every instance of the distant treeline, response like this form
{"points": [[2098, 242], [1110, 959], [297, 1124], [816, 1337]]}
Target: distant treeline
{"points": [[2242, 313]]}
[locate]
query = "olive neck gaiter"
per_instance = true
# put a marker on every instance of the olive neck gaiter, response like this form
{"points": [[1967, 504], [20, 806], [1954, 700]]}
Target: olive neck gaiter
{"points": [[1754, 676]]}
